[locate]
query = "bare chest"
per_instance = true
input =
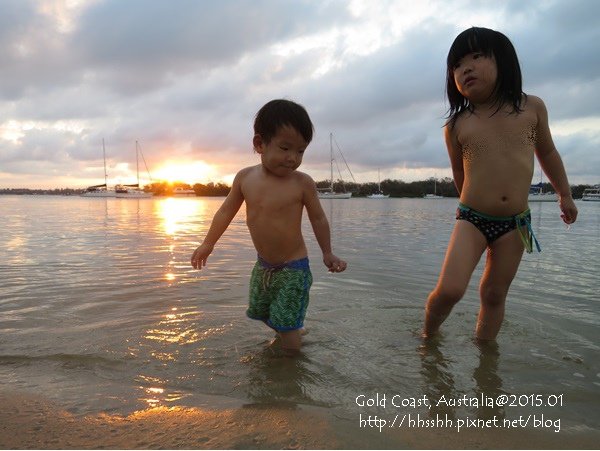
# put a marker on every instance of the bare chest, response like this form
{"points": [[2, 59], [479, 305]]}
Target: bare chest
{"points": [[500, 136], [272, 198]]}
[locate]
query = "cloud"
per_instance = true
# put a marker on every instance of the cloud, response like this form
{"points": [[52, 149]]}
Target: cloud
{"points": [[185, 79], [144, 45]]}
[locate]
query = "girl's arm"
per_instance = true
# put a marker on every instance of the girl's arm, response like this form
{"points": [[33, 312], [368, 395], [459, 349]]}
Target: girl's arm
{"points": [[455, 154], [551, 162], [320, 225], [220, 222]]}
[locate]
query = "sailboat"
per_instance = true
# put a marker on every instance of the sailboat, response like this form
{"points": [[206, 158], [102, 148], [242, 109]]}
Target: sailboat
{"points": [[100, 190], [133, 191], [379, 194], [537, 194], [329, 193], [435, 194]]}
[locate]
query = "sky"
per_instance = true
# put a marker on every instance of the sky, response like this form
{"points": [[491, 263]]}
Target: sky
{"points": [[185, 79]]}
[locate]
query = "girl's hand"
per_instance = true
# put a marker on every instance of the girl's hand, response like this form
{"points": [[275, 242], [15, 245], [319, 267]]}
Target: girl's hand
{"points": [[568, 208]]}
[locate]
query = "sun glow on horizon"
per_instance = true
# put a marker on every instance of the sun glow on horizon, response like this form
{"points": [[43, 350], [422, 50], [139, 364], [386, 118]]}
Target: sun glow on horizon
{"points": [[186, 172]]}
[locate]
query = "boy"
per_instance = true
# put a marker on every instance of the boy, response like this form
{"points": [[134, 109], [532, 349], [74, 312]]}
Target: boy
{"points": [[276, 194]]}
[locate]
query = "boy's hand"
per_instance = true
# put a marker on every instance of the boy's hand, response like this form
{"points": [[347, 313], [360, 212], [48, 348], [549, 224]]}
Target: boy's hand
{"points": [[333, 263], [568, 208], [200, 255]]}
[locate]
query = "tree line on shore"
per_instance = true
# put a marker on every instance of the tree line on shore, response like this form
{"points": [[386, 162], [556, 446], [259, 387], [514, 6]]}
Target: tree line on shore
{"points": [[395, 188], [398, 188]]}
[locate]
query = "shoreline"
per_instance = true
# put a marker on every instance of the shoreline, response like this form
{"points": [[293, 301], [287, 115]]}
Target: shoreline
{"points": [[32, 422]]}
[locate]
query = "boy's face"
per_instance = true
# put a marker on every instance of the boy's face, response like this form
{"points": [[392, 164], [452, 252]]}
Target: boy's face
{"points": [[475, 76], [283, 154]]}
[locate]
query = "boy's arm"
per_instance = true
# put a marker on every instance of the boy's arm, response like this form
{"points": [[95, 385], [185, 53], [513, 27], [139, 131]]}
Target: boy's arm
{"points": [[455, 154], [320, 225], [551, 162], [220, 222]]}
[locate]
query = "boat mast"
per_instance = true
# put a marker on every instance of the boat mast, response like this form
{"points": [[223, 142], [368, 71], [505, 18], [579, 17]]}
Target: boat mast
{"points": [[137, 163], [331, 157], [104, 155]]}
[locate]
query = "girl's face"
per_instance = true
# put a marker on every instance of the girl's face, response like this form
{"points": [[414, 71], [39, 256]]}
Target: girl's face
{"points": [[475, 76]]}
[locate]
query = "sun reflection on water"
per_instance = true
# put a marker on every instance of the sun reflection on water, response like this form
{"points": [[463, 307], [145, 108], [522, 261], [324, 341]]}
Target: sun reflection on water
{"points": [[158, 396], [153, 393], [178, 219], [175, 337], [177, 328], [176, 214]]}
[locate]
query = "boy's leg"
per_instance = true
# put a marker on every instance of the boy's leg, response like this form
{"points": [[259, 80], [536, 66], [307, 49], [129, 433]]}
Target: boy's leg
{"points": [[464, 251], [289, 308], [501, 267]]}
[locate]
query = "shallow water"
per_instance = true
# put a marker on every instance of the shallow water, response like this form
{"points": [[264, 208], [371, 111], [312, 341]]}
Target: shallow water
{"points": [[101, 312]]}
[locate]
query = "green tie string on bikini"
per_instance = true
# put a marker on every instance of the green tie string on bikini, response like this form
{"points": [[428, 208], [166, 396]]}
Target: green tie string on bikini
{"points": [[523, 222]]}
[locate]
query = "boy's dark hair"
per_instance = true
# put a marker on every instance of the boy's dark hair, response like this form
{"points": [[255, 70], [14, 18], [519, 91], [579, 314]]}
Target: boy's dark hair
{"points": [[279, 113], [509, 83]]}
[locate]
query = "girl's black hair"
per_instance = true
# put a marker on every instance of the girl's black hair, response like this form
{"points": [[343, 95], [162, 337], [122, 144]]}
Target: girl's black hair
{"points": [[279, 113], [509, 84]]}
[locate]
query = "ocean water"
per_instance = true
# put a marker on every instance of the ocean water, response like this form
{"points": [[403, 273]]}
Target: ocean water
{"points": [[101, 312]]}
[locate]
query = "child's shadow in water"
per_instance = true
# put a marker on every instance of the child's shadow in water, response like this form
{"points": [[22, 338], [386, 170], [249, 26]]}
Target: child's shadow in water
{"points": [[439, 381], [278, 379], [488, 382]]}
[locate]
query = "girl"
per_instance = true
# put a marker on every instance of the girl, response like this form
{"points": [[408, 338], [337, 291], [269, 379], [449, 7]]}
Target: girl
{"points": [[492, 133]]}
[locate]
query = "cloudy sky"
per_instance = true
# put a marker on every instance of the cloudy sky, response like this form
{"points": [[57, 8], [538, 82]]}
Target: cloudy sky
{"points": [[185, 78]]}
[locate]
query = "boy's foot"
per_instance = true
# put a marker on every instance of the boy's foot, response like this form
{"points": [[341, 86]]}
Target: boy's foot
{"points": [[303, 331]]}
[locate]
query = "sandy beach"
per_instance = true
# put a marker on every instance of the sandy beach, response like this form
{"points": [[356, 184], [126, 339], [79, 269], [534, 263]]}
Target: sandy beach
{"points": [[31, 422]]}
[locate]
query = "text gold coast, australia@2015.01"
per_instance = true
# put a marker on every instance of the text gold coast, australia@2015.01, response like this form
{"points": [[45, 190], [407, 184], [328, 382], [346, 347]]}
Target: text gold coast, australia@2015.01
{"points": [[504, 400]]}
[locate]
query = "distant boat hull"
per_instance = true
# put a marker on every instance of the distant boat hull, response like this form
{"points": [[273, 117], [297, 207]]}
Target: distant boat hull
{"points": [[591, 195], [537, 194], [378, 196], [133, 194], [100, 193], [432, 196], [543, 197], [184, 192], [334, 195]]}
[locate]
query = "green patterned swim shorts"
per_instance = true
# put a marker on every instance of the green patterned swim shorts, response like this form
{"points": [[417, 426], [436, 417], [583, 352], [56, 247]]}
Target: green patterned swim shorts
{"points": [[279, 293]]}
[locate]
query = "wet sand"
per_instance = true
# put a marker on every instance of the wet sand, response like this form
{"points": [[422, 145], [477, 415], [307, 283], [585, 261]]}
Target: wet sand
{"points": [[30, 422]]}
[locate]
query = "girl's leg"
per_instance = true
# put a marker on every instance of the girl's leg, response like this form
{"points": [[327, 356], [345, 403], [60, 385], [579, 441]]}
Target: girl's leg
{"points": [[501, 266], [464, 251], [291, 341]]}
